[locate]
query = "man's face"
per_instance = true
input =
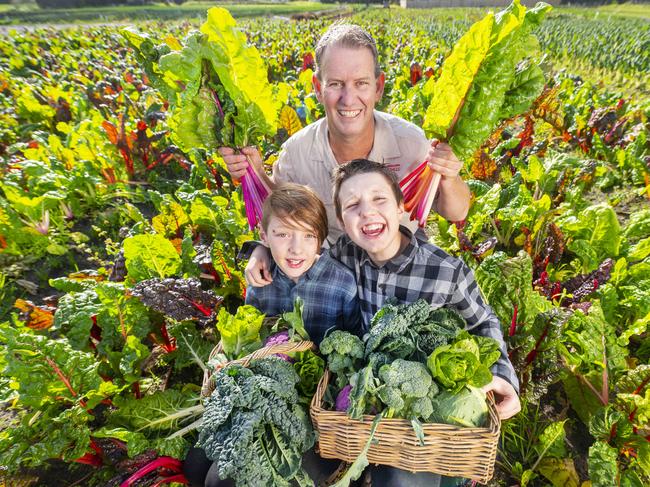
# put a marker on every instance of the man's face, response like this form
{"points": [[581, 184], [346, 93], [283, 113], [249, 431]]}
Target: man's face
{"points": [[349, 91], [371, 215], [294, 248]]}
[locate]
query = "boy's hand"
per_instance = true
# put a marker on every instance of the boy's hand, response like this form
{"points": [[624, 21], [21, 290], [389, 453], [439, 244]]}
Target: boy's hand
{"points": [[443, 160], [505, 396], [257, 270], [237, 163]]}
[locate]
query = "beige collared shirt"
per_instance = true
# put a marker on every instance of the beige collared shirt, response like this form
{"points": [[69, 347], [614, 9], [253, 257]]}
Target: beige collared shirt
{"points": [[307, 158]]}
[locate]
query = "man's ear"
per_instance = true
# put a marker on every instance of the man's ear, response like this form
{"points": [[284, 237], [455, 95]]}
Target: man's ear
{"points": [[317, 87], [379, 86]]}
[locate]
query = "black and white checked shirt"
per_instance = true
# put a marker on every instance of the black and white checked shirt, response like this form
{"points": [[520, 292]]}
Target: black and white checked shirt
{"points": [[423, 270]]}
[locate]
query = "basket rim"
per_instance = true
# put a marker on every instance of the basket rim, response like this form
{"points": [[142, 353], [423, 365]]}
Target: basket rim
{"points": [[208, 384]]}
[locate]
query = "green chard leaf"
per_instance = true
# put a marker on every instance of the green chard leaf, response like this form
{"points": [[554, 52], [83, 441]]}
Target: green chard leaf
{"points": [[148, 256], [480, 77]]}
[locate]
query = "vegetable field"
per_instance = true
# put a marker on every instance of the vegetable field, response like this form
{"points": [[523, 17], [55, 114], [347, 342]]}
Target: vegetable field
{"points": [[119, 240]]}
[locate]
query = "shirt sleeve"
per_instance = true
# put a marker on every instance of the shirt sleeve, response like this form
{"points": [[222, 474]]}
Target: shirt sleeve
{"points": [[282, 169], [351, 311], [481, 320]]}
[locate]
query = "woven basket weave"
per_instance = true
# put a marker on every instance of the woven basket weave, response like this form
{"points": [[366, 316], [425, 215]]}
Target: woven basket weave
{"points": [[289, 347], [448, 450]]}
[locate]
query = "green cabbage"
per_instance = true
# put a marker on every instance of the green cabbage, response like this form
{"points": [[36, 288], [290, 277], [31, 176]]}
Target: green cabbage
{"points": [[467, 407]]}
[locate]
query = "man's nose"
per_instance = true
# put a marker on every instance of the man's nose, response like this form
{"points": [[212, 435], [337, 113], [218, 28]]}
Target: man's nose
{"points": [[347, 95]]}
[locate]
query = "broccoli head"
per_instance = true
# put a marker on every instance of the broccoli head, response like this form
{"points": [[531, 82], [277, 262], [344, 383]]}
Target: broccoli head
{"points": [[407, 388], [344, 353]]}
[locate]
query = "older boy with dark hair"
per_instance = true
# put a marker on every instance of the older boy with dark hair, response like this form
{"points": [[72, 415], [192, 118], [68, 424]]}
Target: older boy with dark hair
{"points": [[389, 262]]}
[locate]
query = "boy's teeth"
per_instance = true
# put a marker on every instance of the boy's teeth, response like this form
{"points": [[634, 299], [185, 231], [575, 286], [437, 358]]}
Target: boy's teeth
{"points": [[373, 228]]}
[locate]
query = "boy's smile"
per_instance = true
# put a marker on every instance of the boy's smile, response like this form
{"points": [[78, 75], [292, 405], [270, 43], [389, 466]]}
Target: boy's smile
{"points": [[371, 215], [294, 248]]}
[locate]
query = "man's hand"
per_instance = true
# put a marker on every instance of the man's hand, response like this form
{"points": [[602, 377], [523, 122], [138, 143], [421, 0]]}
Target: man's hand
{"points": [[443, 160], [237, 163], [505, 396], [257, 272]]}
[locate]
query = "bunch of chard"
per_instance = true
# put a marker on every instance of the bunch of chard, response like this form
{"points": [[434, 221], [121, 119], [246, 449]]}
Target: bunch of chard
{"points": [[220, 97], [490, 76]]}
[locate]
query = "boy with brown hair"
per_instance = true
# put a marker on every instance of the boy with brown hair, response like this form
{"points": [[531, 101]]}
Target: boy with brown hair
{"points": [[294, 227]]}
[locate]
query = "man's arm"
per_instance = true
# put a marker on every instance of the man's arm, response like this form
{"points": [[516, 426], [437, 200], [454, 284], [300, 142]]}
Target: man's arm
{"points": [[452, 202]]}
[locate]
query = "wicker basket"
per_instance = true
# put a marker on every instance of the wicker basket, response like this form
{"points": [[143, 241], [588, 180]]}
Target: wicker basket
{"points": [[289, 347], [448, 450]]}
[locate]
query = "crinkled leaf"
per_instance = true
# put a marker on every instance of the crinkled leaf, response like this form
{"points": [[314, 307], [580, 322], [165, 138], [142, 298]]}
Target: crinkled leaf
{"points": [[148, 256], [179, 299]]}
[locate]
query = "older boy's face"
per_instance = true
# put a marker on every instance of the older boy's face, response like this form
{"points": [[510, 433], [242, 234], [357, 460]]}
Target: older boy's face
{"points": [[371, 216], [348, 90], [294, 248]]}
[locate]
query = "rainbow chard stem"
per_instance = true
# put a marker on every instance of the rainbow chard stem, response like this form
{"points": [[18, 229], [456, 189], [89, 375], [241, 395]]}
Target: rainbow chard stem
{"points": [[420, 188], [255, 192]]}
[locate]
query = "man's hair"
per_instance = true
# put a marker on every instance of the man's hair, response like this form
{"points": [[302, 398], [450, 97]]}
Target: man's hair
{"points": [[363, 166], [296, 202], [345, 35]]}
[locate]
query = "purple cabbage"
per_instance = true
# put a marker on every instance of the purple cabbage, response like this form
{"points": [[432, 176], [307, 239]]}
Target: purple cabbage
{"points": [[343, 399], [277, 338]]}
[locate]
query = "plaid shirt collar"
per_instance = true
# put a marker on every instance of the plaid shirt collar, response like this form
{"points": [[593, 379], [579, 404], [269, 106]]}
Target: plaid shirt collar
{"points": [[401, 260]]}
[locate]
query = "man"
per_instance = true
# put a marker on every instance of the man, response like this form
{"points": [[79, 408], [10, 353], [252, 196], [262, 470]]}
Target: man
{"points": [[349, 83]]}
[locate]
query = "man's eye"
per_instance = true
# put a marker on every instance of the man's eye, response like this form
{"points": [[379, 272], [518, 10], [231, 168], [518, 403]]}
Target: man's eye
{"points": [[334, 84], [362, 83]]}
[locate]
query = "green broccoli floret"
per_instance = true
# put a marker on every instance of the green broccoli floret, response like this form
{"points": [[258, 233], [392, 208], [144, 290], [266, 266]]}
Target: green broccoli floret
{"points": [[344, 351], [407, 389]]}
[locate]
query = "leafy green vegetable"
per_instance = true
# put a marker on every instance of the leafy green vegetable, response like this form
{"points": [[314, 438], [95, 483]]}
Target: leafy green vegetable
{"points": [[465, 361], [480, 84], [149, 256], [466, 407], [253, 426], [292, 321], [310, 368], [240, 333]]}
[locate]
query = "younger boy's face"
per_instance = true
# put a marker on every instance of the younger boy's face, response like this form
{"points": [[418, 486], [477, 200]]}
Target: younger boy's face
{"points": [[294, 248], [371, 215]]}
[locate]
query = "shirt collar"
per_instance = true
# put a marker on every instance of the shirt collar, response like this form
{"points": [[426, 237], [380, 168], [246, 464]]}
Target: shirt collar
{"points": [[401, 260], [384, 146]]}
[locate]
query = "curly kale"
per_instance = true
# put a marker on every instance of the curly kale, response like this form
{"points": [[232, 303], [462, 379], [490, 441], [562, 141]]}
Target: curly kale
{"points": [[253, 425], [407, 389], [344, 352], [412, 331]]}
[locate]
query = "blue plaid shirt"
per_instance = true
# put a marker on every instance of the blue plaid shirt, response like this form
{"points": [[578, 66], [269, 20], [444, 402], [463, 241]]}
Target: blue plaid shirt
{"points": [[329, 293]]}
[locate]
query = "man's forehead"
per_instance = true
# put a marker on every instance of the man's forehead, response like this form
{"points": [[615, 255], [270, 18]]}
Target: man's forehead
{"points": [[361, 58]]}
